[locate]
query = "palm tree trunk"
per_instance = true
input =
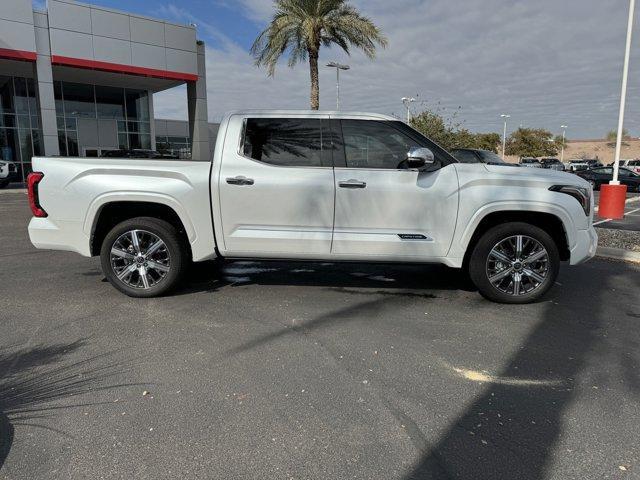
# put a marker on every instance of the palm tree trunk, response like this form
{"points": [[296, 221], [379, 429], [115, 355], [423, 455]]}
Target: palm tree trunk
{"points": [[315, 82]]}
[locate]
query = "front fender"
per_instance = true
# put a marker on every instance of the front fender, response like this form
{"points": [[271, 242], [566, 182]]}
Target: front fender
{"points": [[521, 206]]}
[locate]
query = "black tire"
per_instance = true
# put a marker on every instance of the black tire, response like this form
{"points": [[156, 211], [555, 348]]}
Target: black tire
{"points": [[4, 183], [176, 246], [478, 264]]}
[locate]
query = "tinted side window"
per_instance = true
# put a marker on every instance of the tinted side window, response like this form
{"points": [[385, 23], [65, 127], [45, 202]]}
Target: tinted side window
{"points": [[286, 142], [465, 156], [372, 144]]}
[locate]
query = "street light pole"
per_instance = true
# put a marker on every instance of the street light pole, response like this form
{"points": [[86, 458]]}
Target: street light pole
{"points": [[564, 131], [613, 195], [504, 132], [407, 101], [338, 67], [623, 95]]}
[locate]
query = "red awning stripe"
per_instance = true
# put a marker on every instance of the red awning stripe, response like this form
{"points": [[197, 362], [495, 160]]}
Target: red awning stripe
{"points": [[118, 68], [22, 55]]}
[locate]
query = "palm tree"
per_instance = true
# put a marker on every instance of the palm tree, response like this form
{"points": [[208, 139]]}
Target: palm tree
{"points": [[302, 26]]}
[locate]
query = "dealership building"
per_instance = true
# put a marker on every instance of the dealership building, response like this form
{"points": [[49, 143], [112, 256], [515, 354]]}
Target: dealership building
{"points": [[78, 80]]}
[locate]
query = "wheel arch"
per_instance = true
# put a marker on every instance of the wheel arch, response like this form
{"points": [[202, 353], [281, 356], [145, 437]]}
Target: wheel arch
{"points": [[111, 213], [549, 222]]}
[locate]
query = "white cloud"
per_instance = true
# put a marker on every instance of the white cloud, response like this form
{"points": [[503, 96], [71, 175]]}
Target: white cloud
{"points": [[546, 63]]}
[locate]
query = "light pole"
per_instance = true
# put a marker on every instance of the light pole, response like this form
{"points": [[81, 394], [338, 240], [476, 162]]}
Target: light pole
{"points": [[338, 67], [564, 132], [504, 132], [613, 195], [407, 101]]}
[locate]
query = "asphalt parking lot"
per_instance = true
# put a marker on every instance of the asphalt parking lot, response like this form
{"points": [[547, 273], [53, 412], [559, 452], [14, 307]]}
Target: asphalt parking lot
{"points": [[281, 370], [631, 220]]}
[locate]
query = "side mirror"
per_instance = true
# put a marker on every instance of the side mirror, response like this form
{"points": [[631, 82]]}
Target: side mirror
{"points": [[420, 157]]}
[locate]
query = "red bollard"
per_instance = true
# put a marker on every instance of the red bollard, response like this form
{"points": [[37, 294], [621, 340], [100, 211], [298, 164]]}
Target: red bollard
{"points": [[612, 201]]}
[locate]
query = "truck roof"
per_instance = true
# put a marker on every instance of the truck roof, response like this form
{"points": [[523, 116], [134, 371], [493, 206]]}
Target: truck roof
{"points": [[313, 113]]}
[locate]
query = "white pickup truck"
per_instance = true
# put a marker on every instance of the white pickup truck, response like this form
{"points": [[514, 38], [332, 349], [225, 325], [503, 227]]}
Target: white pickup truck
{"points": [[315, 186]]}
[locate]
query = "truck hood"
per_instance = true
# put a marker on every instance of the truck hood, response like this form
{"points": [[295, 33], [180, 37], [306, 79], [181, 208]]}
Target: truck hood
{"points": [[536, 175]]}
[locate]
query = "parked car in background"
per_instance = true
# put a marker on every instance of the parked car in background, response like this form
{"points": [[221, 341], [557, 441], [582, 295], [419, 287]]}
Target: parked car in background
{"points": [[272, 190], [8, 173], [474, 155], [582, 164], [602, 175], [552, 164], [633, 165], [530, 162], [135, 153]]}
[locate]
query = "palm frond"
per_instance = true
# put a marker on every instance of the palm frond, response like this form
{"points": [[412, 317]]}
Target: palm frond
{"points": [[300, 27]]}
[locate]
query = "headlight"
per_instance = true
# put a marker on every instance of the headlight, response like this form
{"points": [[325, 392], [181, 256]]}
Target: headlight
{"points": [[582, 194]]}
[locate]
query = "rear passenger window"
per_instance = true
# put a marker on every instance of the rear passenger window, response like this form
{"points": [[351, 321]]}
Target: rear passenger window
{"points": [[286, 142]]}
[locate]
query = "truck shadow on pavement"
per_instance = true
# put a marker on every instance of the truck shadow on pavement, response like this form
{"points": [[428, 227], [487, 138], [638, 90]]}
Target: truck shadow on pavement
{"points": [[388, 279], [32, 386], [580, 343], [513, 430]]}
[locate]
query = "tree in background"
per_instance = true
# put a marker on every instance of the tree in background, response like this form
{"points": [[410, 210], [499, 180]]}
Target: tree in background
{"points": [[488, 141], [612, 137], [301, 27], [531, 142], [560, 142], [449, 133]]}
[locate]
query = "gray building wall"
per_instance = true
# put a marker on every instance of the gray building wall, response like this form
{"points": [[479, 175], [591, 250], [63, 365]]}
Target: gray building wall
{"points": [[89, 32], [16, 25], [44, 85]]}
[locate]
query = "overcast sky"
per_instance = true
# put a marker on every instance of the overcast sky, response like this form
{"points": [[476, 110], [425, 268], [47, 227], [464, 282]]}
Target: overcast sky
{"points": [[544, 62]]}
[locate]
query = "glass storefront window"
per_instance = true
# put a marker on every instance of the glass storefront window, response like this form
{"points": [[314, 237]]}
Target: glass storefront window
{"points": [[24, 121], [139, 141], [72, 144], [110, 102], [8, 145], [79, 100], [139, 127], [33, 98], [71, 124], [26, 147], [137, 105], [20, 137], [7, 121], [38, 148], [6, 95], [123, 141], [21, 98], [57, 93], [62, 143]]}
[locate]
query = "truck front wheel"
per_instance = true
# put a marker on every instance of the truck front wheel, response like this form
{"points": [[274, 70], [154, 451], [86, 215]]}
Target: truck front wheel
{"points": [[144, 257], [514, 263]]}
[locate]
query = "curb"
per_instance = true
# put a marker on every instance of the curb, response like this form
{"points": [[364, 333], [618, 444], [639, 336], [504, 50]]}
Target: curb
{"points": [[632, 200], [618, 254], [13, 190]]}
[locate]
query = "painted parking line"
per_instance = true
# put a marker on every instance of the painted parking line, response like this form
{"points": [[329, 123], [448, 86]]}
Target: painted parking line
{"points": [[595, 224]]}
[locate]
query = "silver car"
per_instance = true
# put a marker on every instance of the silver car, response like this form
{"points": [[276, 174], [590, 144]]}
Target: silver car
{"points": [[530, 162]]}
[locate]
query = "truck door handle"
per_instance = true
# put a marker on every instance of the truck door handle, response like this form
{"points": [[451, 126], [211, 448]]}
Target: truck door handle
{"points": [[240, 180], [352, 184]]}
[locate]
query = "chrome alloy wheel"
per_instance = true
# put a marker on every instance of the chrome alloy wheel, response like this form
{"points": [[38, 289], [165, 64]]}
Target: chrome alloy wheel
{"points": [[140, 259], [517, 265]]}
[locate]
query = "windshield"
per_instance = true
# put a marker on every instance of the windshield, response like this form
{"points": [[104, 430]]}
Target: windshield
{"points": [[490, 157]]}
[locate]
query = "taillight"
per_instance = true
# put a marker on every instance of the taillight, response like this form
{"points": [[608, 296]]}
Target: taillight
{"points": [[32, 189]]}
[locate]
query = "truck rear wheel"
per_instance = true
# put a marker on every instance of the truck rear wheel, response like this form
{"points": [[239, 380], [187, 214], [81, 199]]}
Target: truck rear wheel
{"points": [[144, 257], [514, 263]]}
